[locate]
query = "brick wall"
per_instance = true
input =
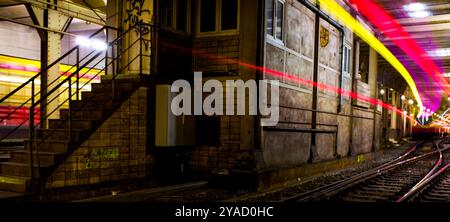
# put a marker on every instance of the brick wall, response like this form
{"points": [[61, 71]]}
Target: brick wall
{"points": [[115, 151], [209, 50], [205, 158]]}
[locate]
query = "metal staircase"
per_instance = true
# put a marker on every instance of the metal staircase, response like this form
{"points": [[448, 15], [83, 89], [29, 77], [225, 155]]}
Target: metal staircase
{"points": [[51, 141]]}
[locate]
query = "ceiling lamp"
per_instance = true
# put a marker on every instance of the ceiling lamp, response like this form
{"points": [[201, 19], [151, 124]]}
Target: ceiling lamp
{"points": [[419, 14], [413, 7], [417, 10], [440, 52]]}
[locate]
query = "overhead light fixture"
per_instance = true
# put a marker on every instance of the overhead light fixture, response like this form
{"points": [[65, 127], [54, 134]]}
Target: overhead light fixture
{"points": [[419, 14], [96, 44], [403, 97], [410, 102], [83, 41], [382, 91], [417, 10], [413, 7], [99, 45], [440, 52]]}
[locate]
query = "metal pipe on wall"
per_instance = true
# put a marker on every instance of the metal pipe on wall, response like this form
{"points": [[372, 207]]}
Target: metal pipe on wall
{"points": [[341, 28], [320, 14]]}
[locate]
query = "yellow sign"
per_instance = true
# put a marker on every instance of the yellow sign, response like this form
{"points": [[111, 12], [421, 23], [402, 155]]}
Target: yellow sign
{"points": [[324, 36]]}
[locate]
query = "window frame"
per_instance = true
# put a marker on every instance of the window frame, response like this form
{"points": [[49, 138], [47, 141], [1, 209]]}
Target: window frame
{"points": [[174, 27], [348, 59], [218, 26], [272, 36]]}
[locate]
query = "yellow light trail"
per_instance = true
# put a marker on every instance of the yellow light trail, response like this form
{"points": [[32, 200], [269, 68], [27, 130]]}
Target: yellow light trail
{"points": [[351, 23]]}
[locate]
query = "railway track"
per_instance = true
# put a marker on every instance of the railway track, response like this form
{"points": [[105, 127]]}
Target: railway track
{"points": [[421, 174]]}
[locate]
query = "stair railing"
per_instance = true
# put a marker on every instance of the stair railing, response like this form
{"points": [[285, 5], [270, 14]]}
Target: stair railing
{"points": [[32, 82], [112, 60]]}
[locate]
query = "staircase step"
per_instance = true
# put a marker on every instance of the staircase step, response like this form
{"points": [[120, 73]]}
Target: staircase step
{"points": [[57, 146], [21, 169], [106, 86], [47, 158], [7, 143], [19, 184], [102, 96], [92, 105], [76, 124], [82, 115], [4, 156], [61, 134]]}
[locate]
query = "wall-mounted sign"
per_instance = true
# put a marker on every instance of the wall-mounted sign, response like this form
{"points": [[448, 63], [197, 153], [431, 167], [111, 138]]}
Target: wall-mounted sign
{"points": [[324, 36]]}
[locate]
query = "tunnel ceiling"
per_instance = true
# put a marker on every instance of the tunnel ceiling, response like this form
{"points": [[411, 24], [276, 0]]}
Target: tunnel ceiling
{"points": [[7, 2], [428, 24], [431, 32], [95, 4]]}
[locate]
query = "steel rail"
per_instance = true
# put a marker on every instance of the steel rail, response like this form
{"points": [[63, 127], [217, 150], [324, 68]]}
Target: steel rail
{"points": [[338, 186]]}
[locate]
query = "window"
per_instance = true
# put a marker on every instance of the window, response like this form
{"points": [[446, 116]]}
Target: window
{"points": [[270, 15], [175, 14], [218, 16], [275, 19], [347, 59], [208, 16], [207, 131], [229, 14], [182, 18]]}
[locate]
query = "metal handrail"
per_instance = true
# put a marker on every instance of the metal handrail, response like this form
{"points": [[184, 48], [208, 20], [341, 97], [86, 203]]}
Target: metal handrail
{"points": [[68, 79], [32, 82], [46, 68]]}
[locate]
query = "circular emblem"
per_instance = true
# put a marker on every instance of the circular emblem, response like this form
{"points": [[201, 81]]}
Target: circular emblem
{"points": [[324, 37]]}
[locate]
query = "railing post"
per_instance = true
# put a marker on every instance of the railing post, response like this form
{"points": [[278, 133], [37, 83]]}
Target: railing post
{"points": [[70, 110], [78, 76], [106, 51], [140, 48], [31, 125]]}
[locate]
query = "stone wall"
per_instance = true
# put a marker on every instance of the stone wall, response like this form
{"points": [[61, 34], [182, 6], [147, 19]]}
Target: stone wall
{"points": [[296, 58], [115, 151], [362, 128]]}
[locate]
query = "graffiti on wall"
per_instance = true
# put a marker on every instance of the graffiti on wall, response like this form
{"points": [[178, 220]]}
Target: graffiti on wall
{"points": [[100, 154], [135, 15]]}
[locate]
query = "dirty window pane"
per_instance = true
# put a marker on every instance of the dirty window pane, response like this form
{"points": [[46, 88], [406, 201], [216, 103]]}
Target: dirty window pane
{"points": [[168, 13], [348, 60], [345, 60], [208, 16], [181, 15], [269, 17], [229, 14], [279, 22]]}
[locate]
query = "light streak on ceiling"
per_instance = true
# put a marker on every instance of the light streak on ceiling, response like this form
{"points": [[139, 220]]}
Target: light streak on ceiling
{"points": [[341, 14], [384, 22]]}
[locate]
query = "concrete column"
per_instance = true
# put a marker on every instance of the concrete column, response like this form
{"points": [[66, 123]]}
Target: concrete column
{"points": [[126, 14], [393, 113], [392, 132], [48, 16], [356, 61], [373, 73], [56, 21]]}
